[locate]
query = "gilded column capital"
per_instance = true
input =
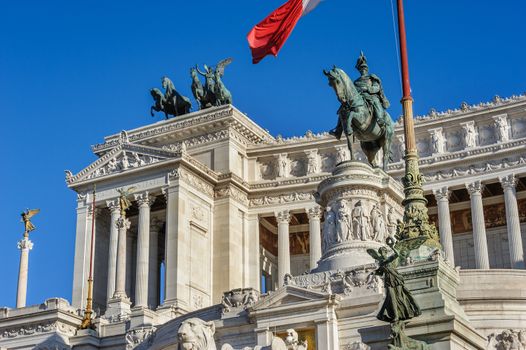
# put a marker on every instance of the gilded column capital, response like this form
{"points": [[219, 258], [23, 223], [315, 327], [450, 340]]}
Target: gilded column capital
{"points": [[508, 181], [474, 187], [442, 193], [283, 217], [144, 199], [314, 213]]}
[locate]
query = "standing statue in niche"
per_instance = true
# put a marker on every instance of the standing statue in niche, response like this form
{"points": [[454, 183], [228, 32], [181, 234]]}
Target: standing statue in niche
{"points": [[343, 225], [329, 228], [391, 223], [362, 113], [378, 223], [214, 92], [360, 222], [501, 124], [469, 135], [171, 102], [399, 304]]}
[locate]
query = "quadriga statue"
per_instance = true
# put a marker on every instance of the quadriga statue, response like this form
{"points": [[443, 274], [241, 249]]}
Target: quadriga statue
{"points": [[196, 334]]}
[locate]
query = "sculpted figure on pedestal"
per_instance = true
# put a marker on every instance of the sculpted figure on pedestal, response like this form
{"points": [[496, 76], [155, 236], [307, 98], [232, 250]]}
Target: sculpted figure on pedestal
{"points": [[292, 341], [283, 165], [329, 228], [312, 163], [391, 223], [469, 135], [343, 224], [438, 142], [196, 334], [362, 113], [360, 222], [502, 127], [378, 224]]}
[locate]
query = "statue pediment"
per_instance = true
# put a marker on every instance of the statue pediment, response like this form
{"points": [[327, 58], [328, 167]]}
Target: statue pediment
{"points": [[124, 157], [288, 295]]}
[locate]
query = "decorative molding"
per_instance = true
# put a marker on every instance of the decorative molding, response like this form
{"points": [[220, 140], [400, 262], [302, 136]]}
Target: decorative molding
{"points": [[233, 192], [37, 328], [281, 199], [141, 335]]}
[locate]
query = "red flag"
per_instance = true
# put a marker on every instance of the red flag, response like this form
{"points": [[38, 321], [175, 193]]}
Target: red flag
{"points": [[268, 36]]}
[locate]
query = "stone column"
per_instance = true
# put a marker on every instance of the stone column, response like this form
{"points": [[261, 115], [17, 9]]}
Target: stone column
{"points": [[143, 249], [25, 245], [444, 223], [314, 215], [153, 265], [123, 224], [479, 227], [113, 206], [512, 221], [82, 252], [283, 219]]}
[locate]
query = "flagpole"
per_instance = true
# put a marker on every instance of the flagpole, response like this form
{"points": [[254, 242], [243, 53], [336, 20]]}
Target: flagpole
{"points": [[88, 312], [416, 219]]}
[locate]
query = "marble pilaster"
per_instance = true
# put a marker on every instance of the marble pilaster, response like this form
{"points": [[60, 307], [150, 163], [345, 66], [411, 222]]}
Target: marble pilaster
{"points": [[283, 219], [512, 221], [480, 241], [444, 223], [114, 208], [314, 214], [144, 201], [82, 247]]}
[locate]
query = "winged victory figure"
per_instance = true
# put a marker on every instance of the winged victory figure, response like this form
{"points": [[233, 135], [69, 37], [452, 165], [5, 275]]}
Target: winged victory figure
{"points": [[26, 216], [124, 202]]}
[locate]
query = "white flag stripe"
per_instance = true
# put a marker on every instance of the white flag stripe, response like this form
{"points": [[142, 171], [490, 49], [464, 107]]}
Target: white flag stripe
{"points": [[309, 5]]}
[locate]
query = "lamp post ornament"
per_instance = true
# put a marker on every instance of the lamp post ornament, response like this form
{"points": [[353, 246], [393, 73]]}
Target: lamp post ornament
{"points": [[25, 245]]}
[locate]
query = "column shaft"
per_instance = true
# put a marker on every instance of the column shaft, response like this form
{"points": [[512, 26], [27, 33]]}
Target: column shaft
{"points": [[143, 251], [480, 241], [513, 222], [444, 223], [314, 215], [283, 219], [120, 285], [24, 245], [153, 265], [113, 242]]}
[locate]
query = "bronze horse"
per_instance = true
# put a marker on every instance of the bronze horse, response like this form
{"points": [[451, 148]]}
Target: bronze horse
{"points": [[356, 119]]}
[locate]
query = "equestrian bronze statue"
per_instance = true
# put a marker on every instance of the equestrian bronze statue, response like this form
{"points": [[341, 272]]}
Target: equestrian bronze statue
{"points": [[171, 102], [362, 113]]}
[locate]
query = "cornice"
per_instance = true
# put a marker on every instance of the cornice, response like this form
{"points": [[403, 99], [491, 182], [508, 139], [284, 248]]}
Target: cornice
{"points": [[193, 123]]}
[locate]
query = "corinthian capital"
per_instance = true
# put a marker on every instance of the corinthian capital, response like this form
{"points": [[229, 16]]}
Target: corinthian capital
{"points": [[441, 193], [144, 199], [314, 213], [508, 181], [283, 217], [113, 205], [25, 243], [474, 187], [123, 223]]}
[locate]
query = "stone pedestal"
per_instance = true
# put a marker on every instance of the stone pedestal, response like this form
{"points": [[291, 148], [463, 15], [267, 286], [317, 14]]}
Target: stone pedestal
{"points": [[443, 323], [354, 200], [119, 308]]}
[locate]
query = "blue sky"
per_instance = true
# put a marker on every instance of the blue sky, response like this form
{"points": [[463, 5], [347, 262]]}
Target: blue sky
{"points": [[72, 72]]}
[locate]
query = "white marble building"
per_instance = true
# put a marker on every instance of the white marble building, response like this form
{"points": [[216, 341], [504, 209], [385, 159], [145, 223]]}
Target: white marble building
{"points": [[220, 204]]}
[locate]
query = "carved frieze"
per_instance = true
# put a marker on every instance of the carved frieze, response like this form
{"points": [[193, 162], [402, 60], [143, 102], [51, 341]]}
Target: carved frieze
{"points": [[137, 336], [281, 199]]}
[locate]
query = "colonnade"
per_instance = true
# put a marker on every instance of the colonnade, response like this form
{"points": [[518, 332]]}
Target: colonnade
{"points": [[480, 242], [283, 220]]}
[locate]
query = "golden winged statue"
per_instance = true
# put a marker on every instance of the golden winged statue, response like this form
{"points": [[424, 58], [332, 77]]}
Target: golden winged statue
{"points": [[26, 216], [124, 202]]}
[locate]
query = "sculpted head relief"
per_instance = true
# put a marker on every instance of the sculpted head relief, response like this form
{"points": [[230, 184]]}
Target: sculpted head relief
{"points": [[196, 334]]}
